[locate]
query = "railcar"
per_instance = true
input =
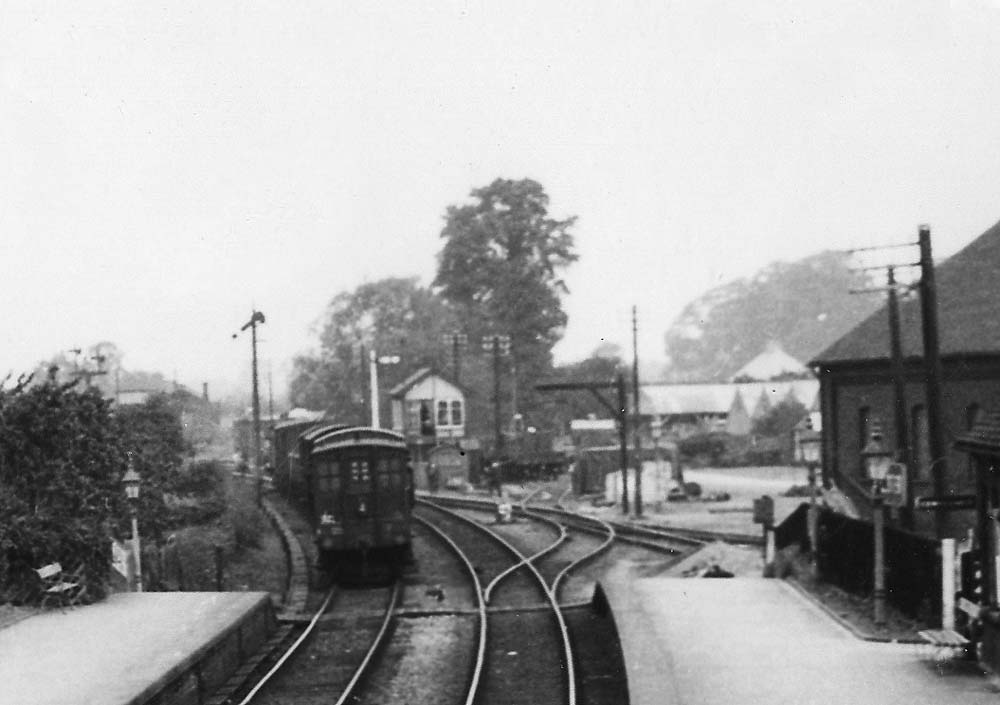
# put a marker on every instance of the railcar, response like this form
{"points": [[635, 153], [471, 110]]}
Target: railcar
{"points": [[360, 488]]}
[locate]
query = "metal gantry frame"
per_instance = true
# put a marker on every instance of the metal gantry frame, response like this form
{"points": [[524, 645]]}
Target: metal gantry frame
{"points": [[620, 413]]}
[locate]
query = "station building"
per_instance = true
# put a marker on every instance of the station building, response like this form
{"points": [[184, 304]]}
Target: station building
{"points": [[856, 388]]}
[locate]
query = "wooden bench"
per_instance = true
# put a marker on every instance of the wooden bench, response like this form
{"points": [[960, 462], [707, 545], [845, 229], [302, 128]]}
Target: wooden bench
{"points": [[56, 588], [944, 641]]}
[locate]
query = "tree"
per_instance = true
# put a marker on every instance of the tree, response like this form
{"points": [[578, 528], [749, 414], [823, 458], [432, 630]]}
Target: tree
{"points": [[501, 267], [779, 421], [393, 316], [63, 452]]}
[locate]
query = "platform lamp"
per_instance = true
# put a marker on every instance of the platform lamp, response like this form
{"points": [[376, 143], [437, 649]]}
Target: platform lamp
{"points": [[877, 459], [810, 447], [131, 481]]}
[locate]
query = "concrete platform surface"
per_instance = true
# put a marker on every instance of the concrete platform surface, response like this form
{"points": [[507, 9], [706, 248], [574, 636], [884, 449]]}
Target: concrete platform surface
{"points": [[697, 641], [113, 652]]}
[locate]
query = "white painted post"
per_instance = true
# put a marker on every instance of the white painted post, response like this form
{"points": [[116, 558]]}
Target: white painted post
{"points": [[947, 583], [769, 549], [373, 379]]}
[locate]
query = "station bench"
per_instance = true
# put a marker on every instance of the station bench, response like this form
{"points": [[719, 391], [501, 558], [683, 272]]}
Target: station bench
{"points": [[944, 641], [57, 588]]}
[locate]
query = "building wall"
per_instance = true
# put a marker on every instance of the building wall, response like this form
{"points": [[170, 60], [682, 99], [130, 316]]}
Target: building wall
{"points": [[966, 386]]}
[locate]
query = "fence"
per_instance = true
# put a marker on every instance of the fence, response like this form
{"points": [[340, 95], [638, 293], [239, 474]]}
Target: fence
{"points": [[847, 553]]}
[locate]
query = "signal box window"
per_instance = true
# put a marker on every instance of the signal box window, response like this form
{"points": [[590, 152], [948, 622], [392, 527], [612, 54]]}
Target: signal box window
{"points": [[442, 413], [456, 413]]}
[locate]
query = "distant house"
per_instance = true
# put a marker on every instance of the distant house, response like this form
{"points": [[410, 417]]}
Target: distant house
{"points": [[686, 409], [856, 385], [771, 364], [132, 397]]}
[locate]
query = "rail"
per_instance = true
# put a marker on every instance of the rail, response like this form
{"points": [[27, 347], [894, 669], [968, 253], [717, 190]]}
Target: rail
{"points": [[377, 642], [549, 594], [477, 668], [289, 651]]}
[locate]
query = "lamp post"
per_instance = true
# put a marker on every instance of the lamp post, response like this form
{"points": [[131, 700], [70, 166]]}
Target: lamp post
{"points": [[809, 453], [131, 482], [877, 459]]}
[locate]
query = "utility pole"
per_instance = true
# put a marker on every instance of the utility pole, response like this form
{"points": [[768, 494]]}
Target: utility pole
{"points": [[635, 413], [256, 318], [932, 375], [497, 344], [899, 387], [897, 371], [457, 341]]}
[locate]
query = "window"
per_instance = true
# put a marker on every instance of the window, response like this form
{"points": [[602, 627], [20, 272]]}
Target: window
{"points": [[864, 426], [442, 413], [920, 442], [359, 471], [326, 477], [972, 414], [456, 413], [864, 431]]}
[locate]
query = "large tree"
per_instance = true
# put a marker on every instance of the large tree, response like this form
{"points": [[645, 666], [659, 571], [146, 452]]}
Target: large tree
{"points": [[502, 266], [394, 316]]}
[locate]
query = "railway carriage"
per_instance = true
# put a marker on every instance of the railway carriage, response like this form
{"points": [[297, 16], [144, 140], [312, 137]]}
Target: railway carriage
{"points": [[361, 496]]}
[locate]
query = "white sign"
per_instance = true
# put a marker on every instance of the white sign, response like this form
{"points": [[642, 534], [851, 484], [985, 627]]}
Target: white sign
{"points": [[119, 557]]}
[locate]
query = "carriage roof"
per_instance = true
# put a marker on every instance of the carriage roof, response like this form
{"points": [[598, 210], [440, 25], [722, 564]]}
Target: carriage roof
{"points": [[356, 437]]}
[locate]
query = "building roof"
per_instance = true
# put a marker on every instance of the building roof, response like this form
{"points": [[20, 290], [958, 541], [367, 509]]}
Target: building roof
{"points": [[967, 291], [702, 399], [416, 378], [771, 363]]}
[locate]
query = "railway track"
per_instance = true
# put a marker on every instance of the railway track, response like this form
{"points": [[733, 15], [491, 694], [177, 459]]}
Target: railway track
{"points": [[525, 647]]}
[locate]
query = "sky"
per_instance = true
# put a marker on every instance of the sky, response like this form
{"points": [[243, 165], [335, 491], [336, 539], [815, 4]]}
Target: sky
{"points": [[166, 169]]}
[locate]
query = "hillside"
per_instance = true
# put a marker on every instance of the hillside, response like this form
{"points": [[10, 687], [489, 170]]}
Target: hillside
{"points": [[804, 306]]}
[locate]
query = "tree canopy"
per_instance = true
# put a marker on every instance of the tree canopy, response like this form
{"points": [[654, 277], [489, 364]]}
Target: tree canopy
{"points": [[501, 267], [63, 452], [393, 316]]}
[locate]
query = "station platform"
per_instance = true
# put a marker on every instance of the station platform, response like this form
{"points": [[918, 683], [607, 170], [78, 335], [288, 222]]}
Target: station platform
{"points": [[697, 641], [132, 649]]}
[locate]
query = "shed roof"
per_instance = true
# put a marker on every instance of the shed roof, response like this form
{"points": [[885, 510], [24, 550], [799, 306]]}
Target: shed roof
{"points": [[967, 291], [686, 399]]}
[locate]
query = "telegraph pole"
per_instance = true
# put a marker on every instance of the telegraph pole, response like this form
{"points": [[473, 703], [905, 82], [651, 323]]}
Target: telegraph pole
{"points": [[899, 387], [635, 413], [256, 318], [932, 374], [497, 344], [457, 341]]}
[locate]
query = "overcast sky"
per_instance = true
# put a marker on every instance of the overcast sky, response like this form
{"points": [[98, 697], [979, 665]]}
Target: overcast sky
{"points": [[165, 168]]}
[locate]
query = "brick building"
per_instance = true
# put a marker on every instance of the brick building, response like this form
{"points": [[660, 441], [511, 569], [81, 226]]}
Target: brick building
{"points": [[856, 386]]}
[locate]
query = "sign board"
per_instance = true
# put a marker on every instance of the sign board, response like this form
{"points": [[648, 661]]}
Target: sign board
{"points": [[953, 502], [969, 607], [120, 557], [895, 486]]}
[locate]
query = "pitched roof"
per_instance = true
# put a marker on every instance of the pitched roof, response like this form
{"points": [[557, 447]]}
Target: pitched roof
{"points": [[770, 363], [967, 291], [416, 378], [680, 399]]}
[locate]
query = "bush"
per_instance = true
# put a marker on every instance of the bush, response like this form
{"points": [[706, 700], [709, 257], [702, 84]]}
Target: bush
{"points": [[246, 524]]}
